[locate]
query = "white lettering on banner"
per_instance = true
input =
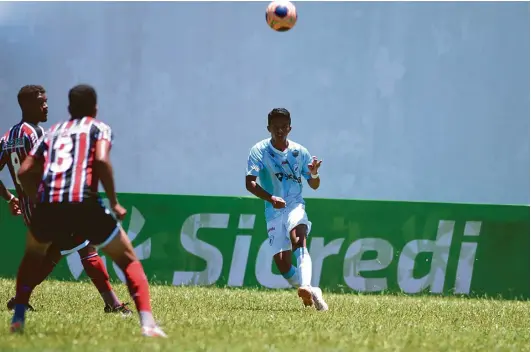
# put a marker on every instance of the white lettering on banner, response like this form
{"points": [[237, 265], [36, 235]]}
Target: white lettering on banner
{"points": [[353, 264], [241, 251], [318, 253], [440, 249], [264, 264], [203, 250]]}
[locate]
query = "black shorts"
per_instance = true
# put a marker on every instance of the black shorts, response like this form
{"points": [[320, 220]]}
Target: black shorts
{"points": [[69, 224]]}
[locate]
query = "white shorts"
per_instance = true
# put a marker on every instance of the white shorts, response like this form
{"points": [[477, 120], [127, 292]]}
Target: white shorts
{"points": [[278, 229]]}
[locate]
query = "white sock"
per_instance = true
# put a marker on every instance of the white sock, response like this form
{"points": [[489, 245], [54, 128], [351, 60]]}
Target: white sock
{"points": [[292, 276], [146, 319], [304, 266]]}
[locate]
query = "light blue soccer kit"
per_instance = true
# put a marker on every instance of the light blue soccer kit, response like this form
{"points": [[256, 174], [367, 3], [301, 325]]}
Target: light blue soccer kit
{"points": [[281, 174]]}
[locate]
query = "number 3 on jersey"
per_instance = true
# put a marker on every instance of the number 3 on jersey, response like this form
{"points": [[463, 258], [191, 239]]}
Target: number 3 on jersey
{"points": [[62, 154]]}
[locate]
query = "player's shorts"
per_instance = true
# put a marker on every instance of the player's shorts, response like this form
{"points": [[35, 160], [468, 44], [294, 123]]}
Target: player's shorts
{"points": [[69, 245], [70, 223], [278, 229]]}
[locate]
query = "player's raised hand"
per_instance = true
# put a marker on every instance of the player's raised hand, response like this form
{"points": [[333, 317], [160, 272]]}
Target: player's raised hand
{"points": [[278, 203], [314, 165], [119, 211], [14, 207]]}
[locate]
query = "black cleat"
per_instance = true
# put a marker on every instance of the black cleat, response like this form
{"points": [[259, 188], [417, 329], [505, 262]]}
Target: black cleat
{"points": [[11, 305], [122, 308]]}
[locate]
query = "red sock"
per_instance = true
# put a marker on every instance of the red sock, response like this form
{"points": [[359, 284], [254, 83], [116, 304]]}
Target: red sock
{"points": [[138, 286], [96, 271], [26, 276]]}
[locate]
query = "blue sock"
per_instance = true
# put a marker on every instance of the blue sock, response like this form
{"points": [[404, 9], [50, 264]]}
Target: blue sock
{"points": [[292, 277], [20, 313]]}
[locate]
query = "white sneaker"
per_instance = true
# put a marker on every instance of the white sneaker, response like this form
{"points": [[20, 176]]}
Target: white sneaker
{"points": [[318, 300], [153, 331]]}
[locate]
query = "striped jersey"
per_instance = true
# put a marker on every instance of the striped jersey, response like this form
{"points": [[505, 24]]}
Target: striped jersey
{"points": [[15, 145], [69, 149]]}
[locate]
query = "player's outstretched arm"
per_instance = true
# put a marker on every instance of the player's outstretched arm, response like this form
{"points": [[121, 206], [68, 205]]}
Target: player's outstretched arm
{"points": [[4, 192]]}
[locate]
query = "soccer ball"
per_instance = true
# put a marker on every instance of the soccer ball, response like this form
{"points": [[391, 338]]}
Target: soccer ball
{"points": [[281, 15]]}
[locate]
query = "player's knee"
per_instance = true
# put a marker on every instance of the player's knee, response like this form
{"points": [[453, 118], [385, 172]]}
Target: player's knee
{"points": [[298, 236], [120, 250]]}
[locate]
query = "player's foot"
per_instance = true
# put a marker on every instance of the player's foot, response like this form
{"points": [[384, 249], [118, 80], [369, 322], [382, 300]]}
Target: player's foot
{"points": [[17, 327], [318, 300], [11, 305], [153, 331], [305, 293], [122, 308], [17, 323]]}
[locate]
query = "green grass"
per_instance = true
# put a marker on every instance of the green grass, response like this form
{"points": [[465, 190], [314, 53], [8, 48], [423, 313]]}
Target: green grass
{"points": [[70, 317]]}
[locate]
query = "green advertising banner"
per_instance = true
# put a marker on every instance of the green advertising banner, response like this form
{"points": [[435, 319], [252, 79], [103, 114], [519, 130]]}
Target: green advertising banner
{"points": [[356, 246]]}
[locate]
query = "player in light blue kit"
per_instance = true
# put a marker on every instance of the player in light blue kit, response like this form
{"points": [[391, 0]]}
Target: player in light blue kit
{"points": [[280, 164]]}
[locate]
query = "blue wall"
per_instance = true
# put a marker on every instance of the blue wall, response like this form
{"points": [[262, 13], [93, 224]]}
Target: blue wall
{"points": [[403, 101]]}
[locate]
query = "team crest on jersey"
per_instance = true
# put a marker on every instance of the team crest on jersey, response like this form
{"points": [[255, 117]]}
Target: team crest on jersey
{"points": [[14, 143], [295, 153]]}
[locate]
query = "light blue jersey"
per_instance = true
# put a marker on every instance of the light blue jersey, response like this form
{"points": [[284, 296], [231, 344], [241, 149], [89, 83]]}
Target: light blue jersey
{"points": [[280, 173]]}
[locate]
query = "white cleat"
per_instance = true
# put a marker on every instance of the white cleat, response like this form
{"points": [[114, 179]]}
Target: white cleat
{"points": [[318, 300], [153, 331], [305, 293]]}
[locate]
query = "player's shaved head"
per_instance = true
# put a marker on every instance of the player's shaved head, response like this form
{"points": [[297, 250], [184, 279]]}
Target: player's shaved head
{"points": [[278, 113], [28, 94], [82, 101]]}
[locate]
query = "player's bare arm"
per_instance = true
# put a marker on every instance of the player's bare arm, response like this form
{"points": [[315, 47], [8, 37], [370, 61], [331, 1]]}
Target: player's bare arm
{"points": [[4, 193], [315, 181], [10, 198], [30, 174], [103, 167], [253, 187]]}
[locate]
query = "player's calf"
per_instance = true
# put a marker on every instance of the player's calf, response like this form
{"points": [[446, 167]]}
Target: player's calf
{"points": [[99, 276], [122, 253]]}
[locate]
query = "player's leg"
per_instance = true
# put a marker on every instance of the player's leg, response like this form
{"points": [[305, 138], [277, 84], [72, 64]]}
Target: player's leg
{"points": [[103, 231], [281, 250], [299, 228], [34, 254], [304, 262], [99, 276], [52, 258], [120, 250]]}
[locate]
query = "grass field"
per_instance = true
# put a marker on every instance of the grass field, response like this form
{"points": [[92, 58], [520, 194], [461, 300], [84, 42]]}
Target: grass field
{"points": [[70, 316]]}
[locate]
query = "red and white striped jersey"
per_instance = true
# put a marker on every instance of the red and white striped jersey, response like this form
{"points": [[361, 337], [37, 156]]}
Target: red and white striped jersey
{"points": [[15, 145], [68, 149]]}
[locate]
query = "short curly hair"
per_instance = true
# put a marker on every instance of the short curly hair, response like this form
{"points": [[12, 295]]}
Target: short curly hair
{"points": [[82, 100], [29, 93], [278, 112]]}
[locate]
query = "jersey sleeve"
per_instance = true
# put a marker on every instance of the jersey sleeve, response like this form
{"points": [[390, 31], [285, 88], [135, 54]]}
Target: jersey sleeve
{"points": [[306, 159], [254, 162], [39, 148], [3, 154], [104, 133]]}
